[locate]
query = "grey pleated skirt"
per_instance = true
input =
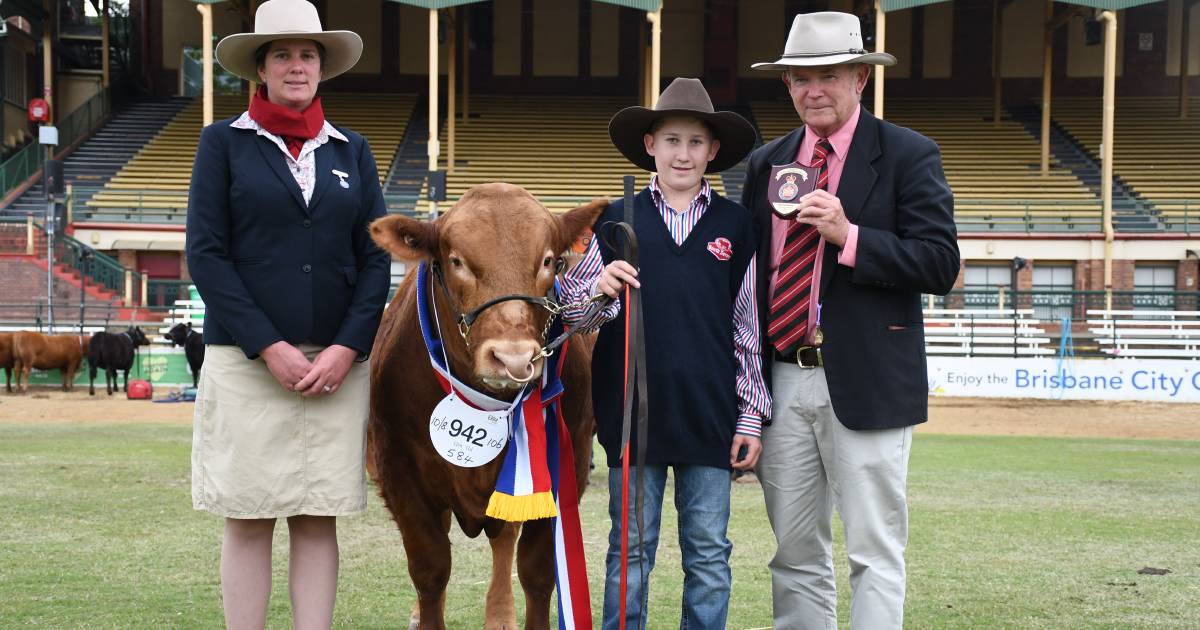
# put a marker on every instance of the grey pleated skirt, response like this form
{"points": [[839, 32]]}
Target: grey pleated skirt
{"points": [[261, 451]]}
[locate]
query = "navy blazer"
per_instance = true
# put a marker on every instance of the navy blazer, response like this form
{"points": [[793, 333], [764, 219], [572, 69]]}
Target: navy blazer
{"points": [[893, 188], [271, 268]]}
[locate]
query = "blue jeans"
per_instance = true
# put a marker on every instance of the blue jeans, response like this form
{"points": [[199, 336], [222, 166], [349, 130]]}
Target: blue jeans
{"points": [[702, 500]]}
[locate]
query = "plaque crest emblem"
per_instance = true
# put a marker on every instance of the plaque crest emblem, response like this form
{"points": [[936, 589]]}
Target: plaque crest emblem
{"points": [[788, 183]]}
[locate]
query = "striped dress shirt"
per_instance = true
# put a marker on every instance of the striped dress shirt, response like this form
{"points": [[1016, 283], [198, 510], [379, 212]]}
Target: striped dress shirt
{"points": [[754, 401]]}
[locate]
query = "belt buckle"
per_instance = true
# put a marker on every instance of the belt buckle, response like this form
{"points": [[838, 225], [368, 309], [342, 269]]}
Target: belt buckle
{"points": [[800, 361]]}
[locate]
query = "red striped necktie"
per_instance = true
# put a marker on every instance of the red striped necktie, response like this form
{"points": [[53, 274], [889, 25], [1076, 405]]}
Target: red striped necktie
{"points": [[788, 320]]}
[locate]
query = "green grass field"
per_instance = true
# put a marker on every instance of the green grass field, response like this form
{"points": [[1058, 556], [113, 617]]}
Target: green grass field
{"points": [[98, 532]]}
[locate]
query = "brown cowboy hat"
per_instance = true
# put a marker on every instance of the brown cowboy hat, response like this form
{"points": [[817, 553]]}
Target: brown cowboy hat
{"points": [[684, 97]]}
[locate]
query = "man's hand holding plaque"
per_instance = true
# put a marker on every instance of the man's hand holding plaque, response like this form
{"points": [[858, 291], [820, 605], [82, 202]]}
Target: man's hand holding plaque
{"points": [[790, 182]]}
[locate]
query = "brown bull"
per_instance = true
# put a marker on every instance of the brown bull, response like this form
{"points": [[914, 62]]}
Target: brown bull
{"points": [[6, 358], [48, 352], [497, 240]]}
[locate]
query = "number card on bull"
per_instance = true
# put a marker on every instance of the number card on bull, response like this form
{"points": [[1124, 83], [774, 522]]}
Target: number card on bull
{"points": [[466, 436], [788, 183]]}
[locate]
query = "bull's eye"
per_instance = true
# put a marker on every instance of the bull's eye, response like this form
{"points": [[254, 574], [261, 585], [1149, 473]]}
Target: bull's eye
{"points": [[546, 261], [456, 262]]}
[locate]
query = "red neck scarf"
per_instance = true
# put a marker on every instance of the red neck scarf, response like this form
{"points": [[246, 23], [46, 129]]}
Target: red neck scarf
{"points": [[293, 126]]}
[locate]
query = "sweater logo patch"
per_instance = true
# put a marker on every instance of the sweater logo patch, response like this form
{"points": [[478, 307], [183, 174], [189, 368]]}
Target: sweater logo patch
{"points": [[721, 248]]}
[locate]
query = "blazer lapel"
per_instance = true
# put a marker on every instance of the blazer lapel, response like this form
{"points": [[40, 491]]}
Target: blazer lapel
{"points": [[324, 156], [858, 178], [274, 157]]}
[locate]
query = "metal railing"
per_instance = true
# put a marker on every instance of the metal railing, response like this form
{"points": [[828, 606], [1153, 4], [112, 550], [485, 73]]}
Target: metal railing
{"points": [[1053, 304], [162, 293], [26, 162], [1187, 223], [998, 215], [20, 167]]}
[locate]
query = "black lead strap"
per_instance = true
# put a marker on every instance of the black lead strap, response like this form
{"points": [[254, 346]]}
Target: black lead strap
{"points": [[635, 385]]}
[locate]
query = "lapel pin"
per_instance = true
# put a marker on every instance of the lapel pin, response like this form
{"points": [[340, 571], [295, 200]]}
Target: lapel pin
{"points": [[342, 178]]}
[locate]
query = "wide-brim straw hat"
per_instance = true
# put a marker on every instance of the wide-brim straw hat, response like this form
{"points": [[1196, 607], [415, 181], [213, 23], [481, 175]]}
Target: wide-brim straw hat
{"points": [[828, 38], [288, 19], [683, 97]]}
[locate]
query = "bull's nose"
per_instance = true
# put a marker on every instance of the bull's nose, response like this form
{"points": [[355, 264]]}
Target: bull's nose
{"points": [[513, 359]]}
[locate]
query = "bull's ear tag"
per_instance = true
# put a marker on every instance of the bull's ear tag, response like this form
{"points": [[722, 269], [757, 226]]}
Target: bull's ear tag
{"points": [[466, 436]]}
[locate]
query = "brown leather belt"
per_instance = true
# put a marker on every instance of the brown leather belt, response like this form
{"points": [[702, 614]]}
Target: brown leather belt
{"points": [[805, 356]]}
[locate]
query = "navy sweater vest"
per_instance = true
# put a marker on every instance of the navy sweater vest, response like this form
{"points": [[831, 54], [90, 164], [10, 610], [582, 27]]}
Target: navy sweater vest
{"points": [[688, 295]]}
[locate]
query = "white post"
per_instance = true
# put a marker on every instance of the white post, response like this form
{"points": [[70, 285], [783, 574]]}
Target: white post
{"points": [[1047, 63], [1106, 145], [880, 32], [655, 19], [433, 149], [207, 48]]}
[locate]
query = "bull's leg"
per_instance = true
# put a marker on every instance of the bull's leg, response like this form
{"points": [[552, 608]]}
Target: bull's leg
{"points": [[24, 371], [8, 380], [110, 380], [501, 611], [427, 545], [91, 379], [535, 568], [126, 387]]}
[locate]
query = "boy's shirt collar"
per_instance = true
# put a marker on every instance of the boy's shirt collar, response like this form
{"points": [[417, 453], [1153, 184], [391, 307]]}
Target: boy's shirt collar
{"points": [[702, 198]]}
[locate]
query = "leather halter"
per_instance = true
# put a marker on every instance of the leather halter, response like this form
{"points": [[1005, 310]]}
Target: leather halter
{"points": [[466, 320]]}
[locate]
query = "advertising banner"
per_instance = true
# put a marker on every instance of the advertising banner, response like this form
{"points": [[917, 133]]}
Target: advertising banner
{"points": [[1066, 379]]}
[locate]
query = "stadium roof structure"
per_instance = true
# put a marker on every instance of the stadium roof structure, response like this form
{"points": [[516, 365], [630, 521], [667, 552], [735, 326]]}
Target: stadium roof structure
{"points": [[1106, 5]]}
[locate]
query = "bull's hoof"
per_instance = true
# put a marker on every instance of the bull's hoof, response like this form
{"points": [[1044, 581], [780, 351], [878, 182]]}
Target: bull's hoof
{"points": [[414, 623]]}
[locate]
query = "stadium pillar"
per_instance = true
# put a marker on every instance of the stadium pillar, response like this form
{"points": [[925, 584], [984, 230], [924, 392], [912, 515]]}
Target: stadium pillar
{"points": [[451, 79], [252, 7], [466, 64], [207, 47], [997, 52], [1106, 145], [1185, 48], [104, 35], [1047, 79], [48, 29], [655, 19], [433, 148], [880, 31]]}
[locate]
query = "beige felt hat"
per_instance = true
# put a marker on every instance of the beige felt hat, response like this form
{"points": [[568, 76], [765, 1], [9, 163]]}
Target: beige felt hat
{"points": [[828, 38], [288, 19]]}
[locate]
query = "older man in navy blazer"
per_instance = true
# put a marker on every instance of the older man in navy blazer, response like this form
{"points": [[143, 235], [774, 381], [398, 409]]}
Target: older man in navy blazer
{"points": [[842, 270]]}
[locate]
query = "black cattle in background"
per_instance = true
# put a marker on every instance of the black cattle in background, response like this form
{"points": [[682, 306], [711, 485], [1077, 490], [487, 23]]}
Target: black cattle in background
{"points": [[192, 343], [113, 352]]}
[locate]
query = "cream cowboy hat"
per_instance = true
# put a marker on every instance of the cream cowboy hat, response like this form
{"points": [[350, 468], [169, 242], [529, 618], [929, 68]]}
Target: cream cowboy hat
{"points": [[828, 38], [288, 19]]}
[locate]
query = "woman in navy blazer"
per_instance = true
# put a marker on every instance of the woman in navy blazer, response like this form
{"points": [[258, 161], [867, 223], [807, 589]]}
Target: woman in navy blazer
{"points": [[293, 286]]}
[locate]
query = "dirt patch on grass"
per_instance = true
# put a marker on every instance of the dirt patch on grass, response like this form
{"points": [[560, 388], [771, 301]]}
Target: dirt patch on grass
{"points": [[1062, 418], [963, 416], [55, 405]]}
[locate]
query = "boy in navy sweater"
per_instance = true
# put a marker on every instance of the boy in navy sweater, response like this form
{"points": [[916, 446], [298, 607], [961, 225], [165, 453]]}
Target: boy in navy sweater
{"points": [[707, 399]]}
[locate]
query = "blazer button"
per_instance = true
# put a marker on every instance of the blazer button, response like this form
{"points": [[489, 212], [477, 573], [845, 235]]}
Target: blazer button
{"points": [[307, 223], [306, 268]]}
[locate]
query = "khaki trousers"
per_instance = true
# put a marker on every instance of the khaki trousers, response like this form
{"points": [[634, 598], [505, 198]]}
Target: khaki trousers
{"points": [[811, 463]]}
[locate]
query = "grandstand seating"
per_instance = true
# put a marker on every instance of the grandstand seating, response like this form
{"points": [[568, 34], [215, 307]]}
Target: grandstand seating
{"points": [[154, 184], [993, 170], [556, 147], [1154, 152], [1145, 334], [984, 332], [102, 155]]}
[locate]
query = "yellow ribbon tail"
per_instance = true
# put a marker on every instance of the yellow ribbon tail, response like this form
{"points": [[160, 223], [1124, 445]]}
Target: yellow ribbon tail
{"points": [[507, 507]]}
